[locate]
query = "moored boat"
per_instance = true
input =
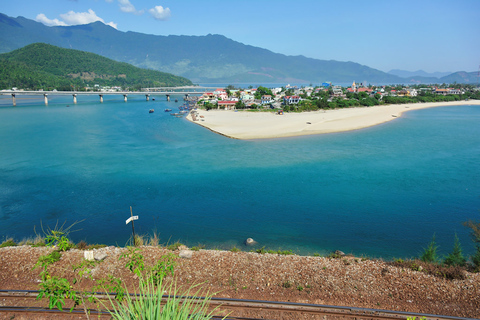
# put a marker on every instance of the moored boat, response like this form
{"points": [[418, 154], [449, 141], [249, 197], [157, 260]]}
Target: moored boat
{"points": [[168, 110], [151, 111]]}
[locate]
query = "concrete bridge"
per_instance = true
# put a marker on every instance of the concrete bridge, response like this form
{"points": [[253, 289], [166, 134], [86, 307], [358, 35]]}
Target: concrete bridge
{"points": [[167, 91]]}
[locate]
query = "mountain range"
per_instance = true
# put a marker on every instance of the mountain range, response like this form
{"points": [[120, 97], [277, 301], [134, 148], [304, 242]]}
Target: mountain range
{"points": [[202, 59]]}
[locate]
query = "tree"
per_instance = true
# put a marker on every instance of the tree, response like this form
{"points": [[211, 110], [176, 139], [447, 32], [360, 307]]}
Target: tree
{"points": [[475, 234], [240, 105], [262, 91], [455, 258], [430, 253]]}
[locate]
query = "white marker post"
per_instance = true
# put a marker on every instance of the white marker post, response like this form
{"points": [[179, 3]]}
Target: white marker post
{"points": [[132, 218]]}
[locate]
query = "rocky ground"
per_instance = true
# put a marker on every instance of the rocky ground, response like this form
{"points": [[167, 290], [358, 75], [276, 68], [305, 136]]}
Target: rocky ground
{"points": [[344, 281]]}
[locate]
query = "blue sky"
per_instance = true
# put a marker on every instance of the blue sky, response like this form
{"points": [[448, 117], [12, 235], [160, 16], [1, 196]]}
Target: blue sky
{"points": [[431, 35]]}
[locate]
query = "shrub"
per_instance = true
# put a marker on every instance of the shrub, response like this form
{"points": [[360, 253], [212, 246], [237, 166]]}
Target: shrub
{"points": [[174, 246], [8, 243]]}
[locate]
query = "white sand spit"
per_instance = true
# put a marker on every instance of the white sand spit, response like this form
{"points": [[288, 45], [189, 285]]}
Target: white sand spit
{"points": [[266, 125]]}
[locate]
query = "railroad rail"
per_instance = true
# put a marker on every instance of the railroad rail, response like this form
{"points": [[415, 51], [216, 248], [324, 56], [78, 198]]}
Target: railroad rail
{"points": [[237, 304]]}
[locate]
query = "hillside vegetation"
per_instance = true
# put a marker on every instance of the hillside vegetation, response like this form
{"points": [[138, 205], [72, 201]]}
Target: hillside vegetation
{"points": [[47, 67]]}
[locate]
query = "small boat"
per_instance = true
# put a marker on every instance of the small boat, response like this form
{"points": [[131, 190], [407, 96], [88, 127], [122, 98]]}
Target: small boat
{"points": [[151, 111], [168, 110], [153, 99], [176, 100], [178, 115]]}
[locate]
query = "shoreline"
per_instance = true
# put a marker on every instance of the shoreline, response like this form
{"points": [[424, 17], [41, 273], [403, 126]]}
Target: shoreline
{"points": [[246, 125]]}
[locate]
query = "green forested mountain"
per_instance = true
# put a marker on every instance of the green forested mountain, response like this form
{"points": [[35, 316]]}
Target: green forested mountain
{"points": [[207, 59], [44, 66]]}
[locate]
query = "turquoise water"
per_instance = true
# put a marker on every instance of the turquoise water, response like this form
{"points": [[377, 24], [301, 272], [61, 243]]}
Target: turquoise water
{"points": [[381, 191]]}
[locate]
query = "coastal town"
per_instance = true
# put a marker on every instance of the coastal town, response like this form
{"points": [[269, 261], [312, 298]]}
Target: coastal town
{"points": [[328, 96]]}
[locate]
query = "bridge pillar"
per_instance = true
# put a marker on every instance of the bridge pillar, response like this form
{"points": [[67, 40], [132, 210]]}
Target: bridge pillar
{"points": [[14, 100], [75, 98], [147, 96], [125, 97], [46, 98], [101, 98], [168, 97], [186, 96]]}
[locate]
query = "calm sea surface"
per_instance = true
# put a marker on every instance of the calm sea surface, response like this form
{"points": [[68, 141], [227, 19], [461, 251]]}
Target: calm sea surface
{"points": [[381, 191]]}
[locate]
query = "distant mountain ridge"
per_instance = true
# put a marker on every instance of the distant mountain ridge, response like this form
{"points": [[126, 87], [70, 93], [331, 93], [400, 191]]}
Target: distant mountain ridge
{"points": [[418, 73], [207, 59]]}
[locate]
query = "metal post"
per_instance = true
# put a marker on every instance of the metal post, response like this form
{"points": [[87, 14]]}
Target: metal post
{"points": [[133, 227], [14, 100]]}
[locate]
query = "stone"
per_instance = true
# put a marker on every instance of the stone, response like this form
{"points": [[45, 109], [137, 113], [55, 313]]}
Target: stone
{"points": [[340, 253], [186, 254], [250, 242], [100, 256], [88, 255]]}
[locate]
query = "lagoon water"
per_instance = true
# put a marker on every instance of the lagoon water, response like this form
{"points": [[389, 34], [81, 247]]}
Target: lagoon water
{"points": [[381, 191]]}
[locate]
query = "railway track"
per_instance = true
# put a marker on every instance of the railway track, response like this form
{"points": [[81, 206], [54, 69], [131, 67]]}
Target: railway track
{"points": [[233, 304]]}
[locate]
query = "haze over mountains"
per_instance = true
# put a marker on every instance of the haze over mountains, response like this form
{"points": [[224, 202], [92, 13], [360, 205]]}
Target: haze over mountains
{"points": [[202, 59]]}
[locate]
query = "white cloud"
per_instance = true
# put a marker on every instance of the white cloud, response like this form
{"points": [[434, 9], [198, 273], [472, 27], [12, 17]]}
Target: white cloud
{"points": [[72, 18], [127, 7], [160, 13], [43, 19]]}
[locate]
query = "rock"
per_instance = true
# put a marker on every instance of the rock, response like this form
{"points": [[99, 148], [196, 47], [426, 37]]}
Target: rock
{"points": [[100, 256], [250, 242], [186, 254], [88, 255], [339, 253]]}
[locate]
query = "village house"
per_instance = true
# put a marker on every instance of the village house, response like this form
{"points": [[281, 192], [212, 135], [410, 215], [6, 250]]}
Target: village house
{"points": [[226, 104], [220, 94], [337, 91], [291, 99], [446, 91], [266, 99], [246, 96]]}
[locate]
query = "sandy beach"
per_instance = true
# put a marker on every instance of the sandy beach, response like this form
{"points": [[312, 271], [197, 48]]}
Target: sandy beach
{"points": [[266, 125]]}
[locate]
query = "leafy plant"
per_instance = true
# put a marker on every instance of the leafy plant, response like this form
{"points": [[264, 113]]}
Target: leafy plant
{"points": [[57, 290], [45, 261], [164, 266], [84, 269], [58, 236], [135, 261], [112, 284]]}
